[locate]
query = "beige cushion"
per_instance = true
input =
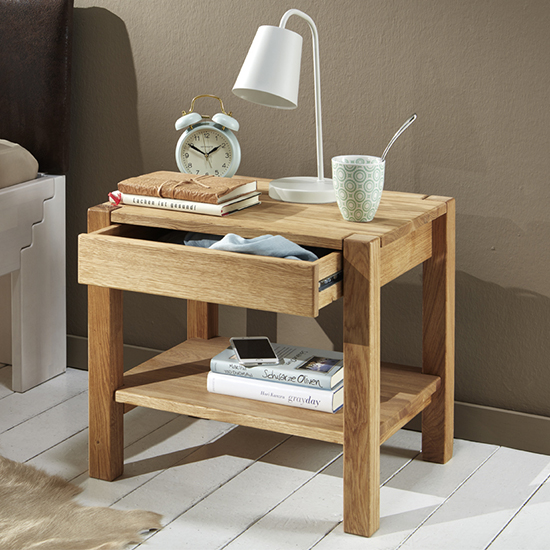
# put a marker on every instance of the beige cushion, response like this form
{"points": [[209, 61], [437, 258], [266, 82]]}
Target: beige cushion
{"points": [[16, 164]]}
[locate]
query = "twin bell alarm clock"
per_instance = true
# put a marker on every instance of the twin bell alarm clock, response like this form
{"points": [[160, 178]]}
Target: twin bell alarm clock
{"points": [[208, 146]]}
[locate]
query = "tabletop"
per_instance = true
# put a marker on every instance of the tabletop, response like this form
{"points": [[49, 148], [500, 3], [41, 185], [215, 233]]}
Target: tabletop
{"points": [[319, 225]]}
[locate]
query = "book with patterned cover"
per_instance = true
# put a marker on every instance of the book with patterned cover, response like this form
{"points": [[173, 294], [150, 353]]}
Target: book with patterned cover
{"points": [[176, 185], [297, 365]]}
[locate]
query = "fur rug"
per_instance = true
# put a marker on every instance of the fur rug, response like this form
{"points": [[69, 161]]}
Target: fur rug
{"points": [[38, 512]]}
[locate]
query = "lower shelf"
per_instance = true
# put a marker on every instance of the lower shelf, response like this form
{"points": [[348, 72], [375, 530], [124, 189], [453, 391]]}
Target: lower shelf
{"points": [[175, 381]]}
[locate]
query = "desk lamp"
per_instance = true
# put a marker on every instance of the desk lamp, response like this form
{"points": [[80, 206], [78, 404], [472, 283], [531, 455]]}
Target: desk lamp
{"points": [[270, 76]]}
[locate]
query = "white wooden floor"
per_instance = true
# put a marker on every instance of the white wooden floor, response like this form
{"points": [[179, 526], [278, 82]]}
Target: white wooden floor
{"points": [[222, 486]]}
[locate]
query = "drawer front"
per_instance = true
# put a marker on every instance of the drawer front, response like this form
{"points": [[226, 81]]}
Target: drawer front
{"points": [[115, 258]]}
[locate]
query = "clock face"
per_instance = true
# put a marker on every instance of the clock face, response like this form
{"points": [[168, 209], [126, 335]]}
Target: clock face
{"points": [[206, 151]]}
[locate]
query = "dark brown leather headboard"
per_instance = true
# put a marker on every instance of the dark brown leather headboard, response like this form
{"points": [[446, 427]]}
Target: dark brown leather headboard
{"points": [[35, 78]]}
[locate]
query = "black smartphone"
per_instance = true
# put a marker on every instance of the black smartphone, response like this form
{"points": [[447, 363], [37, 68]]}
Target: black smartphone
{"points": [[254, 350]]}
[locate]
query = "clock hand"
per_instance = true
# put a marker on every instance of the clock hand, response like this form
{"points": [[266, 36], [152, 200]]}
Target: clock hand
{"points": [[215, 149], [197, 149], [206, 155]]}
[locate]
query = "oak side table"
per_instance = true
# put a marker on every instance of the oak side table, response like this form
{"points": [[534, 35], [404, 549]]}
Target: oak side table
{"points": [[122, 251]]}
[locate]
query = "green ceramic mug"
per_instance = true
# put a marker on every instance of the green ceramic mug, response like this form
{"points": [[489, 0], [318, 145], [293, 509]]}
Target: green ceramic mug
{"points": [[358, 182]]}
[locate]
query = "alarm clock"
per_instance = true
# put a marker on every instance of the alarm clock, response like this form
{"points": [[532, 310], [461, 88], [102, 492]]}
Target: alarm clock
{"points": [[208, 146]]}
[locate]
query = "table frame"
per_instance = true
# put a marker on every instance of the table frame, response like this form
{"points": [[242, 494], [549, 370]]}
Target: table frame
{"points": [[369, 261]]}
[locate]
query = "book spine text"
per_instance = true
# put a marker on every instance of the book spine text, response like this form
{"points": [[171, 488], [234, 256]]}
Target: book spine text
{"points": [[169, 204], [282, 394], [290, 376]]}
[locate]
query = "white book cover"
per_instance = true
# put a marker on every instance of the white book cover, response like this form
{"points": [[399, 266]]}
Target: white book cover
{"points": [[301, 366], [241, 202], [272, 392]]}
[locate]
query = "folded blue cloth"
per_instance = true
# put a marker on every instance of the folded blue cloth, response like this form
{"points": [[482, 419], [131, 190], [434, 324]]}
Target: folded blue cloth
{"points": [[201, 240], [266, 245]]}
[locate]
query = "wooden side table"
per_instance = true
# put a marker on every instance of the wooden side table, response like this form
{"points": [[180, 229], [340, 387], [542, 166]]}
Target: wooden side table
{"points": [[121, 251]]}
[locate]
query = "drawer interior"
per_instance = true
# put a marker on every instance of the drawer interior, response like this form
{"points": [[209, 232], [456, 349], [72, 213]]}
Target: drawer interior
{"points": [[159, 234], [161, 264]]}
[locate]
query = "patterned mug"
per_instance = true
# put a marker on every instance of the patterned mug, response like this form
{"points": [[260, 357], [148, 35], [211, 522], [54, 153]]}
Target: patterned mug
{"points": [[358, 182]]}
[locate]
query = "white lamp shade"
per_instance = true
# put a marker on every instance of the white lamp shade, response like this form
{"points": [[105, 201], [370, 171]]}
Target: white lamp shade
{"points": [[270, 74]]}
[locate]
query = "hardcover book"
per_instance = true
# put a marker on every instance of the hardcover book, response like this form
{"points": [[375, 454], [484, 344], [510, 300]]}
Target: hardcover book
{"points": [[176, 185], [241, 202], [282, 394], [300, 366]]}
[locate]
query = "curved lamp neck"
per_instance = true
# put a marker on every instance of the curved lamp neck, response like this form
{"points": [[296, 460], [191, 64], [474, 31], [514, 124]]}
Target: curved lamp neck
{"points": [[317, 84]]}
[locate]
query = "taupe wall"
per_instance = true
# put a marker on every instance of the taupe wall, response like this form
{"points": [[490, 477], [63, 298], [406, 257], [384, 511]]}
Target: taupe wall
{"points": [[477, 74]]}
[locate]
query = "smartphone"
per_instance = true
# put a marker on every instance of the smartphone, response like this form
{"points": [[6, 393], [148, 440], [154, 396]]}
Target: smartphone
{"points": [[254, 350]]}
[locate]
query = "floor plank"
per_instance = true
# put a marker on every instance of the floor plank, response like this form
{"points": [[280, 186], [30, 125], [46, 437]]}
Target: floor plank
{"points": [[166, 491], [69, 459], [46, 429], [488, 500], [244, 499], [15, 408], [315, 509], [224, 486], [530, 528], [412, 495]]}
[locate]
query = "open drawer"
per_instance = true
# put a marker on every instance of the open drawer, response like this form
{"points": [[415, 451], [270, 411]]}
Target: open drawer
{"points": [[129, 257]]}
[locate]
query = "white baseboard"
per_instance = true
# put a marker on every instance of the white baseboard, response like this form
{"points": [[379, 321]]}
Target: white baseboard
{"points": [[512, 429]]}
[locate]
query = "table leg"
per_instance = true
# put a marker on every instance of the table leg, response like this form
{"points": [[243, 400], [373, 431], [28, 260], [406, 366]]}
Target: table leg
{"points": [[202, 320], [438, 315], [362, 385], [105, 366]]}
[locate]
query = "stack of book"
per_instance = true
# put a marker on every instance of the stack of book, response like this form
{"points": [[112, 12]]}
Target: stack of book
{"points": [[210, 195], [305, 377]]}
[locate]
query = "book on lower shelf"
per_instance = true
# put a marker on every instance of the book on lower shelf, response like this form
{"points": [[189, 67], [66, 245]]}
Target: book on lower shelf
{"points": [[273, 392], [239, 203], [177, 185], [301, 366]]}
